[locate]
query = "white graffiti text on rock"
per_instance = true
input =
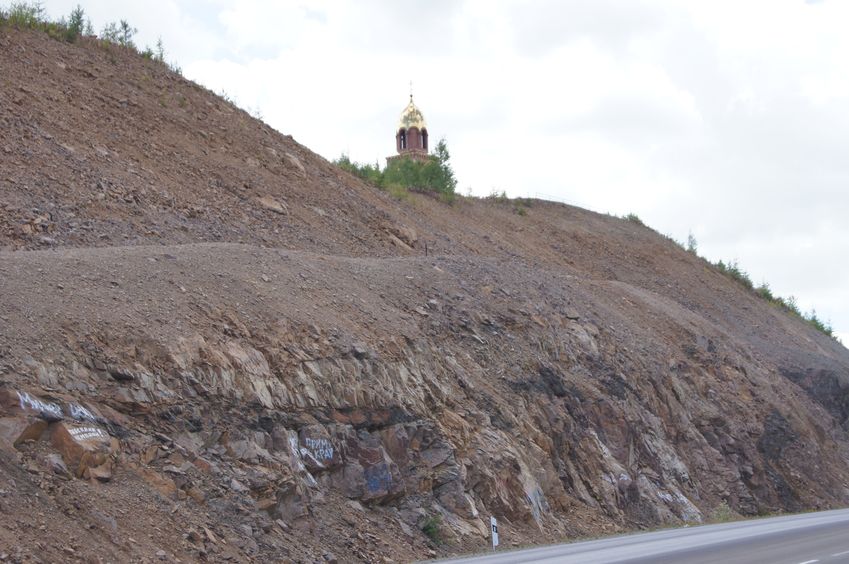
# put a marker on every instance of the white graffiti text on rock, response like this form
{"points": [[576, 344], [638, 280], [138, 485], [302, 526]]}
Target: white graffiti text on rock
{"points": [[80, 434], [46, 408]]}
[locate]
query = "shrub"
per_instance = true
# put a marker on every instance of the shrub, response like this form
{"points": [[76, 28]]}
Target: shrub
{"points": [[819, 324], [403, 174], [676, 242], [764, 292], [498, 197], [789, 304], [722, 513], [31, 15], [369, 173], [76, 24], [733, 270], [121, 33], [692, 244], [634, 218], [432, 175], [397, 191], [25, 15], [431, 528], [447, 197]]}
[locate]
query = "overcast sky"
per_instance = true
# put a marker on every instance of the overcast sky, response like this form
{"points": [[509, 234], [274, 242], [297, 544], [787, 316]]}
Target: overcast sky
{"points": [[727, 119]]}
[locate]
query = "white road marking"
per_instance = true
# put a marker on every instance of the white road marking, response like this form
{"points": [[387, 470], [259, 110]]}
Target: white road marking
{"points": [[809, 562], [841, 553]]}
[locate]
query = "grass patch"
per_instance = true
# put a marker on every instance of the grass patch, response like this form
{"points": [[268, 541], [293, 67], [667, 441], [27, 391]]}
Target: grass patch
{"points": [[397, 191], [722, 513], [498, 197], [431, 527]]}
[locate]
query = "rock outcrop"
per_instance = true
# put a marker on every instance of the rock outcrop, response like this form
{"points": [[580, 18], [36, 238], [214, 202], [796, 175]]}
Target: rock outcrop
{"points": [[214, 345]]}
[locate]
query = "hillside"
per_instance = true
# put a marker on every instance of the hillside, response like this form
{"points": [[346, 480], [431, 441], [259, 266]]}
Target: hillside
{"points": [[216, 345]]}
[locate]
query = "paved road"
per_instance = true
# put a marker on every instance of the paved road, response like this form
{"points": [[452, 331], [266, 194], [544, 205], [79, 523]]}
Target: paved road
{"points": [[795, 539]]}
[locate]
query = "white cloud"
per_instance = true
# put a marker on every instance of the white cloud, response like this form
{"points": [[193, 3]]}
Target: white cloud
{"points": [[728, 119]]}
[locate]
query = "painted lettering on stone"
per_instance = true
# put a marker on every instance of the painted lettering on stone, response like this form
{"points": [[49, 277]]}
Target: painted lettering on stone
{"points": [[47, 409], [378, 478], [322, 449], [81, 434], [80, 413], [297, 458]]}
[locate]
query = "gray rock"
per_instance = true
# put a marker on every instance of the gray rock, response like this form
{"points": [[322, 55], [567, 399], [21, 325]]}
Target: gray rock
{"points": [[56, 465], [238, 487]]}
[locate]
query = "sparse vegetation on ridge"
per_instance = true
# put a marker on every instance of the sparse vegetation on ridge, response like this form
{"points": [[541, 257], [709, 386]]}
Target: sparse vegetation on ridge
{"points": [[31, 15], [400, 175], [634, 218], [733, 270]]}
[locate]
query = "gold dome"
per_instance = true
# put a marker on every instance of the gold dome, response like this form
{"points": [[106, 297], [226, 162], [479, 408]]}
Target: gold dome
{"points": [[412, 117]]}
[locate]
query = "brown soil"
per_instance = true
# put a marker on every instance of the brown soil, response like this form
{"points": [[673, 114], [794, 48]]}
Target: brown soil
{"points": [[212, 290]]}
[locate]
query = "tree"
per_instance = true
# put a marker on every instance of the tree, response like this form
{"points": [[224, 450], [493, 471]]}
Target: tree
{"points": [[692, 244], [446, 174], [431, 175], [76, 24], [121, 33]]}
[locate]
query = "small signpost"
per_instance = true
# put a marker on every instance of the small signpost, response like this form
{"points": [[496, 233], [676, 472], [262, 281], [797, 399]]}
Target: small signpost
{"points": [[493, 525]]}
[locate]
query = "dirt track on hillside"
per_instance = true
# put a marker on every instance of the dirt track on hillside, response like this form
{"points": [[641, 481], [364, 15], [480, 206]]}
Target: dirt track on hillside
{"points": [[283, 372]]}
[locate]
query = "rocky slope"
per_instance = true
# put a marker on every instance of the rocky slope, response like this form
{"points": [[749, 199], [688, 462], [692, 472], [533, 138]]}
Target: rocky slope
{"points": [[215, 345]]}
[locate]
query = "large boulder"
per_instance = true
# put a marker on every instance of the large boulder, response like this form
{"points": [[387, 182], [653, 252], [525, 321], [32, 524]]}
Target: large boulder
{"points": [[317, 449], [24, 417], [84, 448]]}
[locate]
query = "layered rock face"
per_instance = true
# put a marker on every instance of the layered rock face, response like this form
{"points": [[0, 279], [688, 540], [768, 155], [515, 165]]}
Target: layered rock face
{"points": [[292, 382], [316, 388]]}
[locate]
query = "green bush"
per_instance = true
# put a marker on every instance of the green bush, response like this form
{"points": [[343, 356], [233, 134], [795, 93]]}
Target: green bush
{"points": [[433, 175], [120, 33], [397, 191], [31, 15], [76, 24], [431, 528], [819, 324], [722, 513], [25, 15], [498, 197], [764, 292], [634, 218], [692, 244], [369, 173], [158, 55], [733, 270]]}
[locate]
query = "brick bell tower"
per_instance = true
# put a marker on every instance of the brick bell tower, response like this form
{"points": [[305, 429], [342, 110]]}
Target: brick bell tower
{"points": [[411, 134]]}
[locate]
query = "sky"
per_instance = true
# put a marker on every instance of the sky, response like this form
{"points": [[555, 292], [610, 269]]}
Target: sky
{"points": [[725, 119]]}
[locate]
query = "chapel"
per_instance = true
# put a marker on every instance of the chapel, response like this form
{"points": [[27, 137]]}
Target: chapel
{"points": [[411, 134]]}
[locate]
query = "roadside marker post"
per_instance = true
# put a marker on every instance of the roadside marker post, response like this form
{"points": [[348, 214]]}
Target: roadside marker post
{"points": [[493, 525]]}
